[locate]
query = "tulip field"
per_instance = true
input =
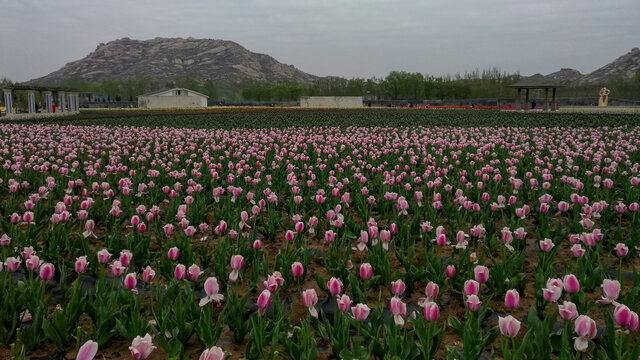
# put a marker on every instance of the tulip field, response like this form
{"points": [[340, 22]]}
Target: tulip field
{"points": [[308, 234]]}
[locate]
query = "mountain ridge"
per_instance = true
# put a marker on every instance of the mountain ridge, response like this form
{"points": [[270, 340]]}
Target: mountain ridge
{"points": [[228, 63], [166, 59], [624, 67]]}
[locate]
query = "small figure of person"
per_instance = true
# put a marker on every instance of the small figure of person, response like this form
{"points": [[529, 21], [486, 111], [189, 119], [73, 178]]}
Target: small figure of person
{"points": [[533, 105]]}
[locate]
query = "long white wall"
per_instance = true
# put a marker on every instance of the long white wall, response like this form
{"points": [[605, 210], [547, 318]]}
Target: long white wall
{"points": [[165, 102], [331, 101]]}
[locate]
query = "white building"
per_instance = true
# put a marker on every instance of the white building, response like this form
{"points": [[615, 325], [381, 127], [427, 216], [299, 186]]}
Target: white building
{"points": [[331, 101], [172, 98]]}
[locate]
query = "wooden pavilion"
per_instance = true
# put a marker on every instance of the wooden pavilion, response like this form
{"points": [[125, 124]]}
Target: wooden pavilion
{"points": [[536, 82]]}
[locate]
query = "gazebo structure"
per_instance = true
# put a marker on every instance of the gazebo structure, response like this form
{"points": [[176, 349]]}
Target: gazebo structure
{"points": [[67, 99], [536, 83]]}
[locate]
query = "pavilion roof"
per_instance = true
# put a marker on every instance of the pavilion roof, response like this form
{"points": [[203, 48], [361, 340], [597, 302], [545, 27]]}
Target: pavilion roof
{"points": [[536, 82], [38, 88]]}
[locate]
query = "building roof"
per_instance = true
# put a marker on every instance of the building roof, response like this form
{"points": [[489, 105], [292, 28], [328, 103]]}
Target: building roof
{"points": [[38, 88], [536, 82], [157, 92]]}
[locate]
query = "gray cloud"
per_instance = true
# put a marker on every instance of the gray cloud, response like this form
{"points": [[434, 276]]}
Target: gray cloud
{"points": [[331, 37]]}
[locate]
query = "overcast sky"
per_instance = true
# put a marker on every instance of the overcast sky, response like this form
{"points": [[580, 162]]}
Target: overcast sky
{"points": [[351, 38]]}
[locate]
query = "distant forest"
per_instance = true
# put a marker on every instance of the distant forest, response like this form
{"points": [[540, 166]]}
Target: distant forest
{"points": [[489, 83]]}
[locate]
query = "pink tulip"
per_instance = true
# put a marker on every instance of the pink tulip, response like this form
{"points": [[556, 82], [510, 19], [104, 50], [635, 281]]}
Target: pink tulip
{"points": [[104, 256], [431, 311], [431, 290], [14, 218], [546, 245], [130, 281], [46, 271], [509, 326], [426, 226], [621, 249], [441, 240], [12, 264], [213, 353], [366, 271], [297, 269], [622, 315], [5, 240], [88, 227], [520, 234], [180, 272], [289, 235], [586, 329], [33, 263], [334, 286], [194, 272], [473, 303], [28, 217], [141, 347], [577, 250], [506, 236], [148, 274], [237, 263], [360, 312], [264, 300], [343, 302], [568, 311], [271, 283], [190, 231], [563, 206], [450, 271], [512, 299], [87, 351], [481, 273], [611, 289], [471, 287], [173, 253], [329, 236], [571, 284], [125, 257], [397, 287], [81, 264], [116, 268], [211, 288], [553, 291], [27, 252], [309, 299], [168, 229], [634, 321]]}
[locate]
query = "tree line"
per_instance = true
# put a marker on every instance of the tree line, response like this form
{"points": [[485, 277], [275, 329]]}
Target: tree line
{"points": [[397, 85]]}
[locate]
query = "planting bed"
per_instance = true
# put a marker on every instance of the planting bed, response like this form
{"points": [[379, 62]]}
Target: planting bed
{"points": [[304, 234]]}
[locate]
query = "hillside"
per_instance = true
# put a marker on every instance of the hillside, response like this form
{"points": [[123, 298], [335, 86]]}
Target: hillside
{"points": [[166, 59], [624, 67]]}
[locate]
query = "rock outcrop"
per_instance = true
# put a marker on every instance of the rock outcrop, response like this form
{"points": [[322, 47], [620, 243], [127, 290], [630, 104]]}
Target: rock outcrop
{"points": [[166, 59]]}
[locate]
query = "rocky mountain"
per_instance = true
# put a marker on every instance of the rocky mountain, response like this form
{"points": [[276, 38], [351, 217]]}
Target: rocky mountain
{"points": [[624, 67], [166, 59], [565, 75]]}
